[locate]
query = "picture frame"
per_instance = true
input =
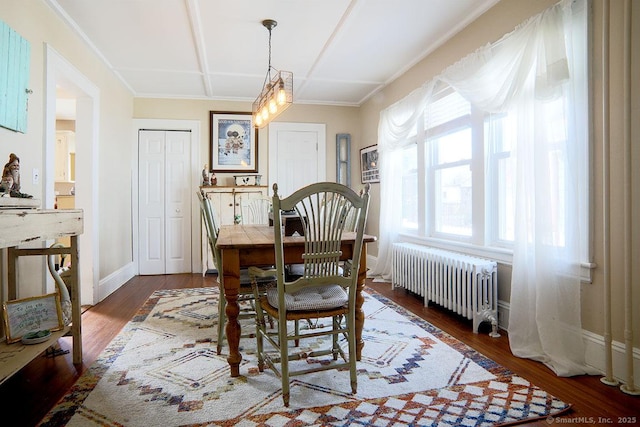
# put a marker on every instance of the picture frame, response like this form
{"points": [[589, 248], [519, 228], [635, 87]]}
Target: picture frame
{"points": [[233, 142], [32, 314], [369, 165]]}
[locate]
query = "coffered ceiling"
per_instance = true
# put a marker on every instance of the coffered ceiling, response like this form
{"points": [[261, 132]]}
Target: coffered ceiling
{"points": [[341, 52]]}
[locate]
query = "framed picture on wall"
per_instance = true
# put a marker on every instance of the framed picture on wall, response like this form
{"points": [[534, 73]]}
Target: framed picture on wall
{"points": [[234, 142], [369, 164]]}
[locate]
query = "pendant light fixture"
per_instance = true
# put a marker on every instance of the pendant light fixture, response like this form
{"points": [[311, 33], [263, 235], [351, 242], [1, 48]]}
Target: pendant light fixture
{"points": [[277, 90]]}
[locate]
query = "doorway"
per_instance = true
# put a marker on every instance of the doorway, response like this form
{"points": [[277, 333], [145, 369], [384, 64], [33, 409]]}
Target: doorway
{"points": [[61, 74], [192, 179], [297, 155], [164, 208]]}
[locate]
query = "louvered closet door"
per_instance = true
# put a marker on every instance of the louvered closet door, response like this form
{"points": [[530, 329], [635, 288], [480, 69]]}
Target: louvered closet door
{"points": [[164, 204]]}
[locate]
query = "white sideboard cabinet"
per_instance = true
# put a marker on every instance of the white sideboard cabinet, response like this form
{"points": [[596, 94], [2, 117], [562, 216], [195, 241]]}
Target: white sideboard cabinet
{"points": [[227, 206]]}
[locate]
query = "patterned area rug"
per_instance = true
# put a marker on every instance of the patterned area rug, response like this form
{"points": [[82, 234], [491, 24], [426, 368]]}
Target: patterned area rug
{"points": [[163, 370]]}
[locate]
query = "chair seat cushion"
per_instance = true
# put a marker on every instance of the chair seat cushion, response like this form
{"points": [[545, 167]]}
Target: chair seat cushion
{"points": [[245, 279], [298, 270], [311, 299]]}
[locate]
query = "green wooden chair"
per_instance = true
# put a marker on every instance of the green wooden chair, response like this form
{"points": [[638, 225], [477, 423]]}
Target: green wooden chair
{"points": [[245, 293], [256, 210], [296, 270], [322, 291]]}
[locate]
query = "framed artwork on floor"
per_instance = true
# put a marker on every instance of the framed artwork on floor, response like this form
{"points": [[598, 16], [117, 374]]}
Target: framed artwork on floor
{"points": [[31, 315], [234, 142]]}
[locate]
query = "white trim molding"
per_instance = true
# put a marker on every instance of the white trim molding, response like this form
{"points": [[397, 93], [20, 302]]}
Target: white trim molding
{"points": [[595, 357], [115, 280]]}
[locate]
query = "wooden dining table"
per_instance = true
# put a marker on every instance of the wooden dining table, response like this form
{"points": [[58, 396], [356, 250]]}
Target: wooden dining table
{"points": [[254, 245]]}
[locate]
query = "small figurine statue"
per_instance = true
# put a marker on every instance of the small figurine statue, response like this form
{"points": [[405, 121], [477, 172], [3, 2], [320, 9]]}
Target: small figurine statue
{"points": [[10, 182], [206, 177]]}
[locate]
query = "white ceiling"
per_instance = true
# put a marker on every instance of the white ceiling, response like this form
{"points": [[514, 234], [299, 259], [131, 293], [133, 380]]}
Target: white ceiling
{"points": [[341, 52]]}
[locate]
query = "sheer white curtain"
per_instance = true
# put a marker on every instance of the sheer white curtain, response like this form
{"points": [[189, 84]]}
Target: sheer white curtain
{"points": [[396, 123], [527, 74]]}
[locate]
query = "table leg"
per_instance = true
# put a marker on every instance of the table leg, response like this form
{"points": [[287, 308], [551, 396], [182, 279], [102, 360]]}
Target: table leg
{"points": [[12, 274], [362, 275], [231, 281], [76, 329]]}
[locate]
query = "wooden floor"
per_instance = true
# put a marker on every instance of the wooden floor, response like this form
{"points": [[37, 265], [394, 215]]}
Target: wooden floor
{"points": [[32, 392]]}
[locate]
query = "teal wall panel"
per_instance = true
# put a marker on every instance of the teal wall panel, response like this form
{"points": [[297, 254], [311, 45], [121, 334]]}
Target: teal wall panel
{"points": [[15, 54]]}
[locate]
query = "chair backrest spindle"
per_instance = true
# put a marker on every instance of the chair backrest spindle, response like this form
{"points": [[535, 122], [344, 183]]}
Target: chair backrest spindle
{"points": [[327, 211], [256, 210]]}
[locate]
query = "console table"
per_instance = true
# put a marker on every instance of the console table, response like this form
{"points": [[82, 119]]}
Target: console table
{"points": [[20, 226]]}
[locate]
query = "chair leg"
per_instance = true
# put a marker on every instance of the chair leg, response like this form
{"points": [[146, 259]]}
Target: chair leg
{"points": [[222, 318], [271, 322], [284, 360], [260, 330], [260, 344], [351, 340], [336, 347]]}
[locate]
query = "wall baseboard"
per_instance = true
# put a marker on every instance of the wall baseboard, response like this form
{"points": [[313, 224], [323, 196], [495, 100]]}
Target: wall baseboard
{"points": [[503, 315], [115, 280], [594, 350], [595, 357]]}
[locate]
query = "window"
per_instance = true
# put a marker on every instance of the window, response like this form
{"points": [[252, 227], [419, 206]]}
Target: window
{"points": [[449, 140], [410, 197], [469, 189], [499, 132], [461, 173]]}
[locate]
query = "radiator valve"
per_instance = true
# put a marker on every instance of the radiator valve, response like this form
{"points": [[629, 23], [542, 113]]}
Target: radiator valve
{"points": [[489, 315]]}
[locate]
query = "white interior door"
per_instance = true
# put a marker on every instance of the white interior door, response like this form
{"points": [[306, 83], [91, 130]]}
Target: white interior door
{"points": [[164, 203], [178, 203], [297, 155]]}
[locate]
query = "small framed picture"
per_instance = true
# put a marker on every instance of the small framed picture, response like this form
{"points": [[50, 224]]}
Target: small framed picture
{"points": [[32, 314], [369, 164], [234, 142]]}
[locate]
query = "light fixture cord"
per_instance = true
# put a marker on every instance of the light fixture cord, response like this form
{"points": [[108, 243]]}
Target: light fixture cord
{"points": [[269, 69], [267, 78]]}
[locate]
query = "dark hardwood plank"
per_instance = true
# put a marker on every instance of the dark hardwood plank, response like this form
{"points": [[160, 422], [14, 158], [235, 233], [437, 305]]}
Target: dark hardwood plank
{"points": [[32, 392]]}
